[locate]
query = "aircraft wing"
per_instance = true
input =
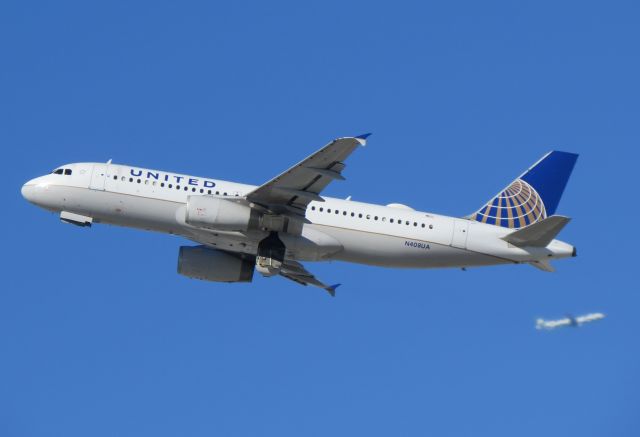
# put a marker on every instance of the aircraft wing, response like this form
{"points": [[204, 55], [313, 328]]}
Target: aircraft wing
{"points": [[291, 191], [296, 272]]}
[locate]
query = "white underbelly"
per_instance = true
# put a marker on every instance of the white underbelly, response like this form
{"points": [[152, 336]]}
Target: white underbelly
{"points": [[120, 209], [393, 251]]}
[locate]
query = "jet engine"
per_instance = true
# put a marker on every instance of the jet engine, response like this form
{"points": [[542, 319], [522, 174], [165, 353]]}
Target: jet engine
{"points": [[200, 262], [220, 214]]}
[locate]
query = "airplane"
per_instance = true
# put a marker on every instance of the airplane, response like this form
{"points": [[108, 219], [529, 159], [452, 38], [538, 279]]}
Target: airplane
{"points": [[574, 322], [273, 227]]}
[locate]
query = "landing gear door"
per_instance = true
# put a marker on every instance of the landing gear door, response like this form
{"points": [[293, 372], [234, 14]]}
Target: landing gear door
{"points": [[98, 177], [460, 233]]}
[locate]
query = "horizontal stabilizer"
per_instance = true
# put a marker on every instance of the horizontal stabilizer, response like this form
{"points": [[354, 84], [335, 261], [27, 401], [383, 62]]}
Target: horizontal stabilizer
{"points": [[539, 234], [543, 265]]}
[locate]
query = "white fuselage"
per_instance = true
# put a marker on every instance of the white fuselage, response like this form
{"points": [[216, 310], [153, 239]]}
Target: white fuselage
{"points": [[391, 236]]}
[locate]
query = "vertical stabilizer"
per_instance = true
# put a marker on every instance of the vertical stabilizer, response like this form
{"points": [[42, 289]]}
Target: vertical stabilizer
{"points": [[533, 196]]}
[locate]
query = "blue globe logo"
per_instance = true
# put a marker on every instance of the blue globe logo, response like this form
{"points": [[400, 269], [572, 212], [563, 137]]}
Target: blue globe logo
{"points": [[519, 205]]}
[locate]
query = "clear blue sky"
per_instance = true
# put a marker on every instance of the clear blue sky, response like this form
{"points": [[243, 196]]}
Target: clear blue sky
{"points": [[100, 336]]}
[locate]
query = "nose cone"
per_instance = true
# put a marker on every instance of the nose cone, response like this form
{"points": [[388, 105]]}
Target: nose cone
{"points": [[29, 189]]}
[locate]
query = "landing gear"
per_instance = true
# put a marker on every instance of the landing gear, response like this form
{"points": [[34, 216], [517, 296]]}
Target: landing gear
{"points": [[270, 257]]}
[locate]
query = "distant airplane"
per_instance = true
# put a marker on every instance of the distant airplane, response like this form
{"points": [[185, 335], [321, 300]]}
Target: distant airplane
{"points": [[568, 321], [270, 228]]}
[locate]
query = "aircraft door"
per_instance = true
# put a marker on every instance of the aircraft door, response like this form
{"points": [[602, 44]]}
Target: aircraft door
{"points": [[98, 176], [460, 234]]}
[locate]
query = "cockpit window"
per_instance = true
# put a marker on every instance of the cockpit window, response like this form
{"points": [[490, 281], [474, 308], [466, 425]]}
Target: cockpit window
{"points": [[64, 171]]}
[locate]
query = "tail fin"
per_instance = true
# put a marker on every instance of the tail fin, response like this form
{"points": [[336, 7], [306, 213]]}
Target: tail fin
{"points": [[533, 196]]}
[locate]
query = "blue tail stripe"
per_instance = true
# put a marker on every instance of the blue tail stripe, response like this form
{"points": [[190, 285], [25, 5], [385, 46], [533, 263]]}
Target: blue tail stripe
{"points": [[550, 176]]}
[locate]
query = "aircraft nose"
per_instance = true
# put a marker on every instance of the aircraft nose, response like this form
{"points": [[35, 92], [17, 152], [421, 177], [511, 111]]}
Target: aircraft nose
{"points": [[28, 191]]}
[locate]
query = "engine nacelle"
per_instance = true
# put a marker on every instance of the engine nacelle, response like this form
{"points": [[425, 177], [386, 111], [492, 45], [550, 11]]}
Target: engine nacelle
{"points": [[216, 213], [200, 262]]}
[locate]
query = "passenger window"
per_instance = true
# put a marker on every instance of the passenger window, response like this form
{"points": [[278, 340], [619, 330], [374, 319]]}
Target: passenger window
{"points": [[217, 193], [359, 215], [123, 179], [344, 212], [209, 192], [177, 187], [368, 216], [407, 222], [162, 184], [415, 224], [329, 210], [353, 214], [130, 179], [186, 188], [313, 208], [146, 181], [390, 220], [337, 212], [115, 178], [321, 209], [375, 218], [170, 186], [201, 190]]}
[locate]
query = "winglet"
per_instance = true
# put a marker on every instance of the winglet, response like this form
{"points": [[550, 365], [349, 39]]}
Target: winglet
{"points": [[332, 289], [362, 139]]}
